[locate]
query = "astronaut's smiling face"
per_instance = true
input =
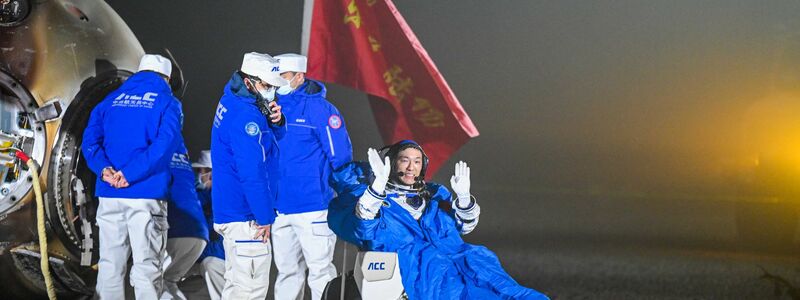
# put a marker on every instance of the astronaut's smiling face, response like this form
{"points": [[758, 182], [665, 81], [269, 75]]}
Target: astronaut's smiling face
{"points": [[408, 165]]}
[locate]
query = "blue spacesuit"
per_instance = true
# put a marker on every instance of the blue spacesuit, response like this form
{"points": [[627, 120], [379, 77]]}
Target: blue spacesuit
{"points": [[434, 261]]}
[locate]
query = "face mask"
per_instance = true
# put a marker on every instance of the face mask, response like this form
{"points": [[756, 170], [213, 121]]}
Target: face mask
{"points": [[199, 184], [286, 89], [264, 95], [264, 98], [202, 181], [268, 94]]}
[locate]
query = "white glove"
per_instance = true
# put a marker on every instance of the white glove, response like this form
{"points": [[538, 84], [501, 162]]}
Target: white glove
{"points": [[381, 169], [460, 184]]}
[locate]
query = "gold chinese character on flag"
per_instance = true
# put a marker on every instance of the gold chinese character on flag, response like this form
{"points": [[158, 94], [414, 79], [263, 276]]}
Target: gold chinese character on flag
{"points": [[399, 86], [353, 15], [374, 43], [428, 115], [367, 45]]}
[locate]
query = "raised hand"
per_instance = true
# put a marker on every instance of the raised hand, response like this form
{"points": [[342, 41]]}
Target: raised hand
{"points": [[460, 183], [381, 169]]}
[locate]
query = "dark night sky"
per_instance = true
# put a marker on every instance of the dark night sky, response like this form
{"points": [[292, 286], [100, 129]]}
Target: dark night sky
{"points": [[618, 98]]}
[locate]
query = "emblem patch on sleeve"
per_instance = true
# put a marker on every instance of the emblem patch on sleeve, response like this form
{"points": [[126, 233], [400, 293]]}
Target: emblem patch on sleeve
{"points": [[335, 122], [251, 128]]}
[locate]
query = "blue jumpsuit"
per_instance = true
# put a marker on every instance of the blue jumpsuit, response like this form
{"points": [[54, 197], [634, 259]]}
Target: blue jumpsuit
{"points": [[435, 263]]}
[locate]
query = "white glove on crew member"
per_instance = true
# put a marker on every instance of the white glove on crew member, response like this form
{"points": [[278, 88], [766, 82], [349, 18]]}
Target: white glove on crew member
{"points": [[369, 203], [460, 184], [381, 169], [466, 209]]}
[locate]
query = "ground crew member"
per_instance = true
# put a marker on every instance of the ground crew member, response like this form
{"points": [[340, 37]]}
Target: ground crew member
{"points": [[316, 142], [128, 143], [244, 152], [188, 231], [213, 257]]}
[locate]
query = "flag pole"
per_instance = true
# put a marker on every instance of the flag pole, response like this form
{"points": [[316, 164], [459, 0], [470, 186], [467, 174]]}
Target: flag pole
{"points": [[308, 11]]}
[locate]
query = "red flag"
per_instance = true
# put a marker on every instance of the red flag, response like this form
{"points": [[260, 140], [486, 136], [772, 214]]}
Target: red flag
{"points": [[367, 45]]}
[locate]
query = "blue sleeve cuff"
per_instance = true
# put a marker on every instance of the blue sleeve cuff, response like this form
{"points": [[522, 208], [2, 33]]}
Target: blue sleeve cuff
{"points": [[265, 219]]}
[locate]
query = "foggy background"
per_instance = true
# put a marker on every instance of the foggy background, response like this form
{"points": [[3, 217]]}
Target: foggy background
{"points": [[609, 129]]}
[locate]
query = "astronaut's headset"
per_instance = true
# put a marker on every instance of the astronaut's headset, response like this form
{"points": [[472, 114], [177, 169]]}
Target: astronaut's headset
{"points": [[393, 150]]}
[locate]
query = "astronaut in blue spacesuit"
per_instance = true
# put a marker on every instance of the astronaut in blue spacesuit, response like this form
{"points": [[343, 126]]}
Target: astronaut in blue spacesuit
{"points": [[316, 142], [423, 223]]}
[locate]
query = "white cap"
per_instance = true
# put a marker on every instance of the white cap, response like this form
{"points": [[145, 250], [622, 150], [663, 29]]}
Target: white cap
{"points": [[204, 161], [264, 67], [291, 62], [156, 63]]}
